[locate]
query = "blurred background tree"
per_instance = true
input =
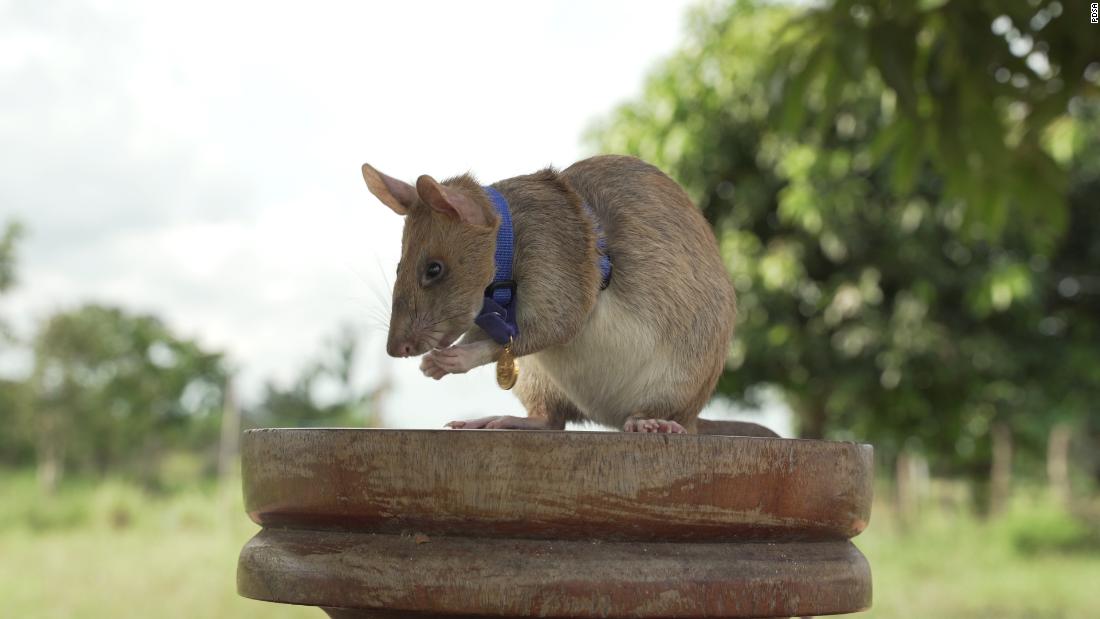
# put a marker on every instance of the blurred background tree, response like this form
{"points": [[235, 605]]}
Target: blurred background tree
{"points": [[324, 392], [10, 236], [115, 391], [15, 443], [913, 236], [111, 392], [118, 393], [980, 91]]}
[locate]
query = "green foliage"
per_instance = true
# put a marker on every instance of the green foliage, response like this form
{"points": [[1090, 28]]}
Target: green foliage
{"points": [[323, 394], [26, 508], [11, 235], [17, 429], [71, 553], [976, 90], [12, 232], [949, 563], [117, 391], [112, 390], [112, 504], [16, 434], [1044, 529], [883, 305]]}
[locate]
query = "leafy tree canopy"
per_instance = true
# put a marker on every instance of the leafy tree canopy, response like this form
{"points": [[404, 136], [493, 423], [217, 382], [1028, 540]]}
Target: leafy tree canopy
{"points": [[324, 393], [12, 232], [112, 389], [982, 91], [886, 298]]}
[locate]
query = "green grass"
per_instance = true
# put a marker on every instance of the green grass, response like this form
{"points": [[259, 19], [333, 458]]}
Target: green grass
{"points": [[111, 551], [957, 566]]}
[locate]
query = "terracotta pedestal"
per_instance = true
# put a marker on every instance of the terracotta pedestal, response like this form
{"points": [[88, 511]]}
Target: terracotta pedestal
{"points": [[415, 523]]}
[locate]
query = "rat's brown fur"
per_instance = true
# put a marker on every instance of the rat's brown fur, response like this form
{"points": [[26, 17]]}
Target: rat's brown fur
{"points": [[650, 346], [437, 313]]}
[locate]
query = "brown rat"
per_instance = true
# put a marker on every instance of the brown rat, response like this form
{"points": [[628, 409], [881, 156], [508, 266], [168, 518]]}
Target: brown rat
{"points": [[643, 355]]}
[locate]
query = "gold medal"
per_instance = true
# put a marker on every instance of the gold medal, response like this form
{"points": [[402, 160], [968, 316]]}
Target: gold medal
{"points": [[507, 372]]}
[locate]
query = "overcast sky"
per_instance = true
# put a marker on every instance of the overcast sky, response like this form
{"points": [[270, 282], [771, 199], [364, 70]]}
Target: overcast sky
{"points": [[201, 161]]}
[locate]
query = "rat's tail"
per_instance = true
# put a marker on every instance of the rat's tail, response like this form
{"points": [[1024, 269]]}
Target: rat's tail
{"points": [[734, 428]]}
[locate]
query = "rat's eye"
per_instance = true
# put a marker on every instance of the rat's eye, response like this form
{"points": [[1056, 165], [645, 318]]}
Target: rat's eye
{"points": [[433, 271]]}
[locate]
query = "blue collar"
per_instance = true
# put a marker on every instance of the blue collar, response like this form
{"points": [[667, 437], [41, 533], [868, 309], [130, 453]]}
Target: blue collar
{"points": [[497, 317], [498, 310]]}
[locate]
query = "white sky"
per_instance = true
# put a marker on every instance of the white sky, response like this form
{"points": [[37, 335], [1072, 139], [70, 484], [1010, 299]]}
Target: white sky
{"points": [[201, 160]]}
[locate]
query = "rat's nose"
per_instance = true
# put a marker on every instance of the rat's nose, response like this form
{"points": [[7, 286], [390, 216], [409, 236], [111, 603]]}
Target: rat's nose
{"points": [[399, 349]]}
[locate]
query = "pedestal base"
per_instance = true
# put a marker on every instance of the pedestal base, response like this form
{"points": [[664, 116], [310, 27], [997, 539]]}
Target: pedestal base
{"points": [[470, 577], [351, 613], [467, 524]]}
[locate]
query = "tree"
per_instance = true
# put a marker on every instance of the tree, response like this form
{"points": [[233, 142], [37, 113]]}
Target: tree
{"points": [[325, 392], [14, 398], [16, 436], [885, 303], [114, 390], [976, 90], [12, 233]]}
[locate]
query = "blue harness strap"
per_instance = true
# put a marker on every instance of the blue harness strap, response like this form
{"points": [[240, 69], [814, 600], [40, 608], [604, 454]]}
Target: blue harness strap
{"points": [[498, 310], [505, 248], [497, 317], [604, 260]]}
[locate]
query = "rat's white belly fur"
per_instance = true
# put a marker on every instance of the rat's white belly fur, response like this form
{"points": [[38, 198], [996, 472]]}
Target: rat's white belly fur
{"points": [[615, 367]]}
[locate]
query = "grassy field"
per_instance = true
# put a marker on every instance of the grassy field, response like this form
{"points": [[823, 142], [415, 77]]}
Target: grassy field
{"points": [[1034, 563], [111, 551]]}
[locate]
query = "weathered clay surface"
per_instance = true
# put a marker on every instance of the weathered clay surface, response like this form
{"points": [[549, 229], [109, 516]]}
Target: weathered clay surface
{"points": [[395, 523]]}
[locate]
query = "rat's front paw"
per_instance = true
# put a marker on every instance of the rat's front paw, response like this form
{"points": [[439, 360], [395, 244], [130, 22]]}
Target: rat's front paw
{"points": [[456, 359], [430, 367]]}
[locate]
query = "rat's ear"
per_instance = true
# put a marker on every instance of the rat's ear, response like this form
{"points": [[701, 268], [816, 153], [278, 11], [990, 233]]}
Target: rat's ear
{"points": [[398, 195], [450, 202]]}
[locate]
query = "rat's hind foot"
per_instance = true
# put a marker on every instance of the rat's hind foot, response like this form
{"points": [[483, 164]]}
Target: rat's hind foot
{"points": [[660, 426], [502, 422]]}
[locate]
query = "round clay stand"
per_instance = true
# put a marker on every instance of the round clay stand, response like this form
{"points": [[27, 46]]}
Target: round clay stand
{"points": [[469, 523]]}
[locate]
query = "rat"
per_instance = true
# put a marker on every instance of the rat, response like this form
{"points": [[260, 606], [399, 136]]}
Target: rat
{"points": [[618, 309]]}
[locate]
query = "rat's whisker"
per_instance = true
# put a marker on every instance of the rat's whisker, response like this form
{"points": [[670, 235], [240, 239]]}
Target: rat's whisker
{"points": [[376, 314], [452, 317], [380, 301], [375, 323], [382, 272]]}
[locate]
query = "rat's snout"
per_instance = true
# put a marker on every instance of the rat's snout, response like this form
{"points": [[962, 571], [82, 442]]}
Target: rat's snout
{"points": [[399, 346], [401, 340]]}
